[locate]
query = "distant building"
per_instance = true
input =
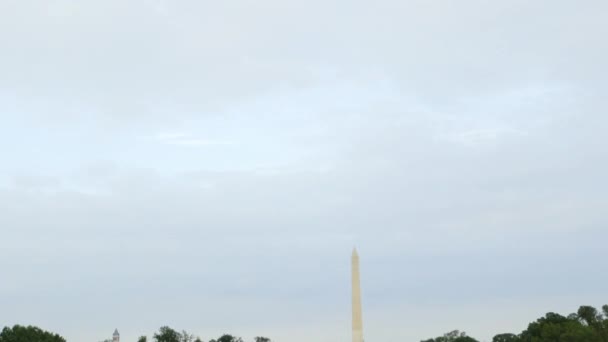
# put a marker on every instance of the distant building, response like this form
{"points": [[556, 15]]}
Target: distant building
{"points": [[116, 336]]}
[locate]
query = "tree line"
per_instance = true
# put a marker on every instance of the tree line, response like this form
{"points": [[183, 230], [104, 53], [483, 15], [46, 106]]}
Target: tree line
{"points": [[166, 334], [586, 325], [20, 333]]}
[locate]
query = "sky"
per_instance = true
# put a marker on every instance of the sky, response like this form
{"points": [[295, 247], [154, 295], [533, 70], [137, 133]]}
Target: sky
{"points": [[210, 165]]}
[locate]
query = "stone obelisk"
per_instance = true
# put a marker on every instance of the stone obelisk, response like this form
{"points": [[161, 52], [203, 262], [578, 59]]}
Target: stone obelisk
{"points": [[356, 288]]}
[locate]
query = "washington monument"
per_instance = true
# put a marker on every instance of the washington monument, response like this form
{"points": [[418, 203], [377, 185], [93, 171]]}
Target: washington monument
{"points": [[356, 288]]}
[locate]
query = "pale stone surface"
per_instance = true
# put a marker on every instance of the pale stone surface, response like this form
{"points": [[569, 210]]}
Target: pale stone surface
{"points": [[356, 292]]}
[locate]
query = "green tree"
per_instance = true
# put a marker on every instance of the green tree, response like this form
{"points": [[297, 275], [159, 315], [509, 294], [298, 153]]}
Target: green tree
{"points": [[166, 334], [228, 338], [586, 325], [452, 336], [465, 339], [595, 320], [554, 327], [262, 339], [20, 333], [589, 315], [506, 338], [142, 339], [186, 337], [605, 318]]}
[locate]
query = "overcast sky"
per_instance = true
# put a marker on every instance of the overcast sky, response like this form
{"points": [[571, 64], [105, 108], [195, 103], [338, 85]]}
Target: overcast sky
{"points": [[209, 165]]}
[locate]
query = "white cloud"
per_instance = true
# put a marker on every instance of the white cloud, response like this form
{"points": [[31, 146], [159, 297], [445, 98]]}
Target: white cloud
{"points": [[457, 143]]}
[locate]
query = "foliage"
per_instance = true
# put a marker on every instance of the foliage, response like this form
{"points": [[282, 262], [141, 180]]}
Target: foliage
{"points": [[505, 338], [186, 337], [166, 334], [228, 338], [28, 334], [452, 336], [586, 325], [555, 327]]}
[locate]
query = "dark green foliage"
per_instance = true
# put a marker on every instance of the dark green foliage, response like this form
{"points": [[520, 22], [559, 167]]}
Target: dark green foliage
{"points": [[465, 339], [227, 338], [506, 338], [555, 327], [452, 336], [589, 315], [587, 325], [166, 334], [28, 334], [186, 337]]}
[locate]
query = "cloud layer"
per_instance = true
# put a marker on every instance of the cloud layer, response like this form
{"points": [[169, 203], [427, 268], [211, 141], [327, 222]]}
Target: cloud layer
{"points": [[210, 165]]}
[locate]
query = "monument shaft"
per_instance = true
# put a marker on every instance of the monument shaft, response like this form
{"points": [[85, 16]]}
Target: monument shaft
{"points": [[356, 292]]}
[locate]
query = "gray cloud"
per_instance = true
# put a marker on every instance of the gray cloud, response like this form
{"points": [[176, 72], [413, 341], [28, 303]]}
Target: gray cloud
{"points": [[194, 164]]}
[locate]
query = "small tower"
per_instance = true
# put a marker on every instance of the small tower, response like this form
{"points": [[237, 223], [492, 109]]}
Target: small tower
{"points": [[116, 336]]}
